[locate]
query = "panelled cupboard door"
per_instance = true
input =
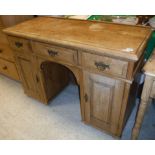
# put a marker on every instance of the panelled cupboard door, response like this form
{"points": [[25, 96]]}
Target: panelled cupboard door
{"points": [[103, 98], [27, 76]]}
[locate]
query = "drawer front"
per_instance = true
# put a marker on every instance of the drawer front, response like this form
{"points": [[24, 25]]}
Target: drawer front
{"points": [[19, 44], [104, 64], [55, 52], [6, 52], [9, 69]]}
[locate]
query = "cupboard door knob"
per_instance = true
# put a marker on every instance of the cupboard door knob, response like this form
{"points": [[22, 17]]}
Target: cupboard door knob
{"points": [[37, 79], [86, 97], [101, 66], [18, 44], [5, 68], [52, 53], [42, 66]]}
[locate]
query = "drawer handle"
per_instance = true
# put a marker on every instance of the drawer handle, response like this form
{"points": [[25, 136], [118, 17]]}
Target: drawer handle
{"points": [[5, 68], [52, 53], [101, 66], [1, 50], [18, 44]]}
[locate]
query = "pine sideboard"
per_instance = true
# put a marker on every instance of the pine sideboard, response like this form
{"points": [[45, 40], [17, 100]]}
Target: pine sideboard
{"points": [[7, 61], [103, 57]]}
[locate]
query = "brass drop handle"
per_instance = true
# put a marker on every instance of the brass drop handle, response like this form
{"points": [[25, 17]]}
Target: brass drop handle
{"points": [[5, 68], [18, 44], [52, 53], [101, 66]]}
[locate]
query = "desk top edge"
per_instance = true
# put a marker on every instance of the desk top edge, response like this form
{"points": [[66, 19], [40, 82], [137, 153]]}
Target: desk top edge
{"points": [[20, 31]]}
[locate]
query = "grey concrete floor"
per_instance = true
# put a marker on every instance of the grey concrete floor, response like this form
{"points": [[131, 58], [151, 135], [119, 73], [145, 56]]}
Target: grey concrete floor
{"points": [[22, 117], [147, 131]]}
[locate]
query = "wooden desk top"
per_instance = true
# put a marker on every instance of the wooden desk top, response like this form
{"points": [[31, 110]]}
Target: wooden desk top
{"points": [[149, 67], [123, 41]]}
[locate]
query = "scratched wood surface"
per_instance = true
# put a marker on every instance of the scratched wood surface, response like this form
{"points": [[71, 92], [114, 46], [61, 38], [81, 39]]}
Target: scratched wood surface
{"points": [[117, 40]]}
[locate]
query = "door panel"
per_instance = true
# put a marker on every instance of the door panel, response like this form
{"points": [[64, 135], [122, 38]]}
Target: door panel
{"points": [[102, 93], [104, 99], [27, 76]]}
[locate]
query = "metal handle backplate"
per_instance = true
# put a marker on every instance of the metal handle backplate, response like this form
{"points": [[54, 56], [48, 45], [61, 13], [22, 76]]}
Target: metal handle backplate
{"points": [[102, 66], [18, 44], [52, 53]]}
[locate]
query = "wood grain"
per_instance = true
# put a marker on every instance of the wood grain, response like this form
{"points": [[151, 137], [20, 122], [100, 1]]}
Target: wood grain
{"points": [[93, 52], [114, 66], [143, 106], [104, 101], [104, 38], [56, 52], [19, 44], [6, 53], [9, 69]]}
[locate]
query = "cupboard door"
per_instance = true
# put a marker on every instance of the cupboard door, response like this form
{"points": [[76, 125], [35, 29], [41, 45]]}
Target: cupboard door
{"points": [[103, 98], [27, 76]]}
